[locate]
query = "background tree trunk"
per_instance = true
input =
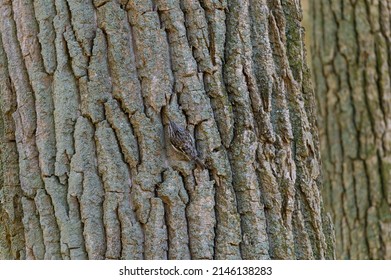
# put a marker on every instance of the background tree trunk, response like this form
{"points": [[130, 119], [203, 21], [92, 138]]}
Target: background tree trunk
{"points": [[87, 171], [351, 61]]}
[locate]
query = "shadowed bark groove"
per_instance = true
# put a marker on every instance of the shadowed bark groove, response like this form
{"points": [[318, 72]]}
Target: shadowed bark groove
{"points": [[351, 59], [87, 169]]}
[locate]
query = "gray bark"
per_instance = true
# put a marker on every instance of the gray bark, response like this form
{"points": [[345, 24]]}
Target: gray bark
{"points": [[87, 88]]}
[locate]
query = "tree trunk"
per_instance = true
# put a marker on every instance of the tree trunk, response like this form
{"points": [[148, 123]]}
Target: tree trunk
{"points": [[351, 61], [87, 90]]}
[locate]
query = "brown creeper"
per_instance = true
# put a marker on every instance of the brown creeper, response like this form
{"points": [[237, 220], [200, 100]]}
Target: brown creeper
{"points": [[183, 142]]}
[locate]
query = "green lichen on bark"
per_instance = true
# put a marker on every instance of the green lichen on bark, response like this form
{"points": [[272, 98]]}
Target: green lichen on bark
{"points": [[11, 227]]}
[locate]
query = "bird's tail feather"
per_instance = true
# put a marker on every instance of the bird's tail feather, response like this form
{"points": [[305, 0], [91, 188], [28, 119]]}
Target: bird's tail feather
{"points": [[199, 162]]}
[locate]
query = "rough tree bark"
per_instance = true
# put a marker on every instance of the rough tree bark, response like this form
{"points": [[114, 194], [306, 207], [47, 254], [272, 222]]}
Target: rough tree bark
{"points": [[351, 61], [87, 88]]}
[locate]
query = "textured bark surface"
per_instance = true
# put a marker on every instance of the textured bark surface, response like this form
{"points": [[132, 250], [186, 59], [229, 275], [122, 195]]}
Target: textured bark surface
{"points": [[87, 88], [351, 58]]}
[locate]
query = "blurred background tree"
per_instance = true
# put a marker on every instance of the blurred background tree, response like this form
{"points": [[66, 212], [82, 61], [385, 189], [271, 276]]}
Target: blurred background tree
{"points": [[351, 62]]}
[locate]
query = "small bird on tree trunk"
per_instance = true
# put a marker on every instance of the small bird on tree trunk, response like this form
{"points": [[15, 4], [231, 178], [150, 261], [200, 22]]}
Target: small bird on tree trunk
{"points": [[182, 141]]}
